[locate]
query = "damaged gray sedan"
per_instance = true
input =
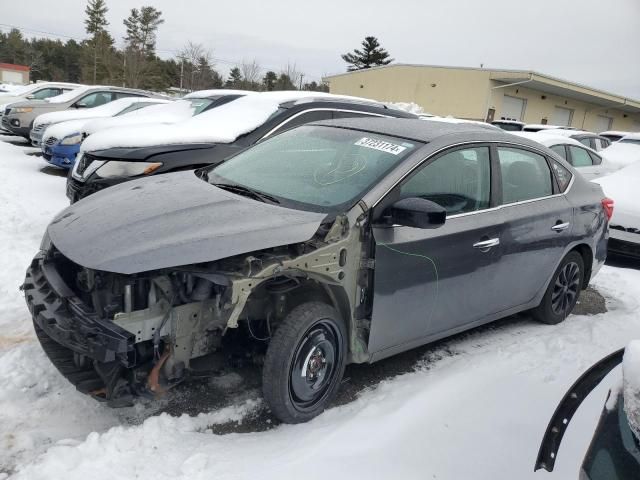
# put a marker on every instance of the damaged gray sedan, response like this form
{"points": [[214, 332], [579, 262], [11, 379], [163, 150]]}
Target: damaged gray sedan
{"points": [[332, 243]]}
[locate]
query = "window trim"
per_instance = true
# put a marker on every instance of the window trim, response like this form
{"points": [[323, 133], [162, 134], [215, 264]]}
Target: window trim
{"points": [[317, 109], [494, 144]]}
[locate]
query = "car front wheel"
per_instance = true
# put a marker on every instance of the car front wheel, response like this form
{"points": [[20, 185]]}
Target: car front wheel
{"points": [[305, 362], [563, 291]]}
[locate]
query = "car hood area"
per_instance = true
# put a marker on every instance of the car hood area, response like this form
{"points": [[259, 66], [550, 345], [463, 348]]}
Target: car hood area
{"points": [[172, 220]]}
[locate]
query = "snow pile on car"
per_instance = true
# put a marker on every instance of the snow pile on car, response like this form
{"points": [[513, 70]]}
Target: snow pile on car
{"points": [[62, 129], [106, 110], [620, 155], [223, 124], [156, 114], [622, 187], [217, 91], [71, 94], [631, 384], [409, 107]]}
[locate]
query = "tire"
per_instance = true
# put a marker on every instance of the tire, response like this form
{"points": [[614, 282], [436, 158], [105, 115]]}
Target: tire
{"points": [[305, 362], [563, 291]]}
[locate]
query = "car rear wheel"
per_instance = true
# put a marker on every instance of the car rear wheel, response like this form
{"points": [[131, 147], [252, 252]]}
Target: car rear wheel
{"points": [[305, 362], [563, 291]]}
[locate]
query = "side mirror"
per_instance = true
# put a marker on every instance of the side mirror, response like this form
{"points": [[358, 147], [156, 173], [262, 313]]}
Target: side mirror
{"points": [[81, 105], [417, 213], [30, 97]]}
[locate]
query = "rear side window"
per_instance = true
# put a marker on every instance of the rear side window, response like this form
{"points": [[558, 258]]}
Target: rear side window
{"points": [[580, 157], [525, 175], [596, 159], [560, 150], [585, 141], [47, 93], [96, 99], [562, 175], [459, 181]]}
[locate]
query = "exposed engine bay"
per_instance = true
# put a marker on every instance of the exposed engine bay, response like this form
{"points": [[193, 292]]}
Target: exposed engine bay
{"points": [[196, 320]]}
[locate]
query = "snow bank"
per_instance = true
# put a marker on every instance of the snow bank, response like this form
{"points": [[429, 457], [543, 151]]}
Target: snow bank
{"points": [[622, 187], [631, 384], [620, 155], [107, 110]]}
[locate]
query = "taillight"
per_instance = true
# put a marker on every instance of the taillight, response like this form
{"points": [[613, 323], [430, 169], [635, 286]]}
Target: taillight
{"points": [[607, 206]]}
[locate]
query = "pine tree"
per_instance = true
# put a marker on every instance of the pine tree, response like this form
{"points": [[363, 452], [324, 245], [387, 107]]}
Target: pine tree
{"points": [[371, 55], [269, 81], [235, 78], [142, 26], [95, 24]]}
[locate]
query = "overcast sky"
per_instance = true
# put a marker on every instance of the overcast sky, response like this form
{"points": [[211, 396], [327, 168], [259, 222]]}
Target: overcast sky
{"points": [[586, 41]]}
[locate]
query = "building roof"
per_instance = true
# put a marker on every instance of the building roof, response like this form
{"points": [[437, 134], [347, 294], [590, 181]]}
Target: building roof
{"points": [[11, 66], [536, 81]]}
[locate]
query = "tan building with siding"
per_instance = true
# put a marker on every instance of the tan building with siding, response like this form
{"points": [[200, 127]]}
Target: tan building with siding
{"points": [[490, 94]]}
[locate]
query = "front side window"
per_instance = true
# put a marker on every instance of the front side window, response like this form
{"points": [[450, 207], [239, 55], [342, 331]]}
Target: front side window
{"points": [[580, 157], [525, 175], [314, 168], [459, 181], [585, 141], [595, 158]]}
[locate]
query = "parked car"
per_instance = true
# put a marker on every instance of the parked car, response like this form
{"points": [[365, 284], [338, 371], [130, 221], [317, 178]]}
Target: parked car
{"points": [[614, 451], [536, 127], [614, 135], [589, 139], [633, 138], [622, 187], [622, 154], [190, 105], [62, 131], [19, 117], [35, 91], [118, 155], [298, 252], [587, 161], [509, 125]]}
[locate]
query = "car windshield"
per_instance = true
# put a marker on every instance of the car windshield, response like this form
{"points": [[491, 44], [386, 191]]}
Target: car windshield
{"points": [[199, 104], [314, 168]]}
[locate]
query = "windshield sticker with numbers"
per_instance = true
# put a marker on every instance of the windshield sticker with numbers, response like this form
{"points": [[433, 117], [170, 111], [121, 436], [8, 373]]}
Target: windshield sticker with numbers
{"points": [[381, 145]]}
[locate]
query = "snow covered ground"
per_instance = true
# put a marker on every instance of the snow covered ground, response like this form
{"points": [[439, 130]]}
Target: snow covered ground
{"points": [[474, 408]]}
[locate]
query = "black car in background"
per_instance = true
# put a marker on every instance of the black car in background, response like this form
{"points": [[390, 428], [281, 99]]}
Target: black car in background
{"points": [[292, 109], [296, 253]]}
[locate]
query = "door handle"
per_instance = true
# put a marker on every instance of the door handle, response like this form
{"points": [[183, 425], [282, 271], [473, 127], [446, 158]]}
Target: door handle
{"points": [[487, 244], [559, 227]]}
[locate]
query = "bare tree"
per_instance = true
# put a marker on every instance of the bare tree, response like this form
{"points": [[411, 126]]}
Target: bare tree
{"points": [[293, 74], [251, 74], [193, 57]]}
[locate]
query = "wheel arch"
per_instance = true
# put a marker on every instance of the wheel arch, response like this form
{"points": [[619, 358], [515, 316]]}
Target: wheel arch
{"points": [[586, 253]]}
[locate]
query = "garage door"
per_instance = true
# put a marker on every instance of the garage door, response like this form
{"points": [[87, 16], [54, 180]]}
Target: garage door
{"points": [[513, 108], [603, 123], [562, 116], [12, 77]]}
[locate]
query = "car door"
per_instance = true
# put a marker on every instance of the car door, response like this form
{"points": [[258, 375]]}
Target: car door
{"points": [[431, 281], [538, 222], [583, 160]]}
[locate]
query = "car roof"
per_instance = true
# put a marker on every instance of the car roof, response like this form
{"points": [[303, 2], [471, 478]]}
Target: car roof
{"points": [[417, 129], [550, 139], [632, 136]]}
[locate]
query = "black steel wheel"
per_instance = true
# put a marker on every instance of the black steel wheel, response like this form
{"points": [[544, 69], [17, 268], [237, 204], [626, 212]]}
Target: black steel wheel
{"points": [[304, 362], [563, 291]]}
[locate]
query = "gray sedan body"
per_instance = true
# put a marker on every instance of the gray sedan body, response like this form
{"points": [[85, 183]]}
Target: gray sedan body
{"points": [[504, 213]]}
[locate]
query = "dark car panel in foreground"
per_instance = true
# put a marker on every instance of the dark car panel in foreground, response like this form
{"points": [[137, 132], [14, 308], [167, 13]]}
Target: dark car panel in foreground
{"points": [[297, 252]]}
